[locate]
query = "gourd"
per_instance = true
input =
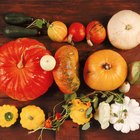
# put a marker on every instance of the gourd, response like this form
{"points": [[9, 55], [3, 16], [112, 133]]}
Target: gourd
{"points": [[105, 70], [32, 117], [78, 112], [65, 72], [57, 31], [8, 115], [21, 75], [124, 29], [125, 117]]}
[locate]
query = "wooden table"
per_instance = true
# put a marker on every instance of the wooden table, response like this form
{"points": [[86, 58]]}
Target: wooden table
{"points": [[69, 11]]}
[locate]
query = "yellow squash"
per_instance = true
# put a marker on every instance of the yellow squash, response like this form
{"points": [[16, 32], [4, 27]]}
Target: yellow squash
{"points": [[32, 117]]}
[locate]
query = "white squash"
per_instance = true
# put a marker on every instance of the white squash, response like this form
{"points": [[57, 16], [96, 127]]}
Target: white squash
{"points": [[125, 117], [103, 114], [124, 29]]}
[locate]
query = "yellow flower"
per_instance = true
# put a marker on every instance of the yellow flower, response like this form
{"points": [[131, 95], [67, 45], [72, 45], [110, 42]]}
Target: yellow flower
{"points": [[32, 117], [8, 115], [78, 112]]}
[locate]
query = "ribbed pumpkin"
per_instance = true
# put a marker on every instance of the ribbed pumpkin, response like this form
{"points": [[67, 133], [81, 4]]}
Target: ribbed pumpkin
{"points": [[21, 76], [105, 70]]}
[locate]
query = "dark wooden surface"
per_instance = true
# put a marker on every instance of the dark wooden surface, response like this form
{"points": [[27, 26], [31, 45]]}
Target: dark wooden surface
{"points": [[69, 11]]}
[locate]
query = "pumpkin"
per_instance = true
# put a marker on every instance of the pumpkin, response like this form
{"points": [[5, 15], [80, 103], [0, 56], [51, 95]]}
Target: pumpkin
{"points": [[21, 76], [57, 31], [32, 117], [105, 70], [124, 29], [8, 115], [65, 72]]}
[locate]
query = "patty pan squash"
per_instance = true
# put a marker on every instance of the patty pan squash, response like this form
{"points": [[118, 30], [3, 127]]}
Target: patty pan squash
{"points": [[32, 117], [8, 115], [78, 112]]}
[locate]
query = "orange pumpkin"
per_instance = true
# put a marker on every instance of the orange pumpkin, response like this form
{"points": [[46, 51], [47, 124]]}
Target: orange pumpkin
{"points": [[66, 71], [105, 70]]}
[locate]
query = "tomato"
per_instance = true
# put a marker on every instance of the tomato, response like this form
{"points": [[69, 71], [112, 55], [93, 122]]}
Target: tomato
{"points": [[95, 33], [21, 76], [76, 32]]}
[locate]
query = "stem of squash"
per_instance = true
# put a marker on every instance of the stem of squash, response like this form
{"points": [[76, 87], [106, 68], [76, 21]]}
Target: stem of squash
{"points": [[20, 63], [128, 27]]}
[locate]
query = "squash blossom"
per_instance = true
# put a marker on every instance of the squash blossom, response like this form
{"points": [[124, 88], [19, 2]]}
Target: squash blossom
{"points": [[8, 115], [32, 117], [78, 112]]}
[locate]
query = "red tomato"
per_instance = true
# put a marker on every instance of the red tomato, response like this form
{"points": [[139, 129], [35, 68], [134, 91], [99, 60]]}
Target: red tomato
{"points": [[76, 32], [21, 76], [95, 33]]}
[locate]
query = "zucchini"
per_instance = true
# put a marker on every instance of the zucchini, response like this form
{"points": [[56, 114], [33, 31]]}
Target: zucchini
{"points": [[14, 18], [16, 31]]}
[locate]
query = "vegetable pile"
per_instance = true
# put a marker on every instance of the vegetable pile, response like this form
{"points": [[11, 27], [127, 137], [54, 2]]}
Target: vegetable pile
{"points": [[27, 70]]}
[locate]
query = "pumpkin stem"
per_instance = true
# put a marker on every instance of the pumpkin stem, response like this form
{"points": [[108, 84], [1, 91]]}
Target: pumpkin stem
{"points": [[107, 66], [128, 27], [20, 63]]}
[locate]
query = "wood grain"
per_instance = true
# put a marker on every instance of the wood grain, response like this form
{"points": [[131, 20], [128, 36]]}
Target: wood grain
{"points": [[69, 11]]}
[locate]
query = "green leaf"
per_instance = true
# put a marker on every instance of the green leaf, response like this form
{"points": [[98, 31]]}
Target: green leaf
{"points": [[95, 102], [86, 126], [85, 99], [65, 107], [39, 23], [68, 97], [110, 98], [119, 100], [103, 96], [88, 112]]}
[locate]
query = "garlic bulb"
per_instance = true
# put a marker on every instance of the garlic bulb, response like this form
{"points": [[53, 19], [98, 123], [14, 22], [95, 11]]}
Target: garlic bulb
{"points": [[125, 117]]}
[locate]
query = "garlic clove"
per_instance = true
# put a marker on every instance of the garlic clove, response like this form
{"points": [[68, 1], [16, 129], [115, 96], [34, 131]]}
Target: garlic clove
{"points": [[125, 87], [47, 62]]}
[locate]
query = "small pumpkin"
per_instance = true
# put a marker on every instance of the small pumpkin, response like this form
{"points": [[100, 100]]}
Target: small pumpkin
{"points": [[8, 115], [65, 72], [95, 33], [124, 29], [57, 31], [78, 112], [32, 117], [105, 70]]}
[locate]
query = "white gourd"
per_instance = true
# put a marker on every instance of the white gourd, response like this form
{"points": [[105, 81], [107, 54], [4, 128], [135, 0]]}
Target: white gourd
{"points": [[124, 29], [125, 117]]}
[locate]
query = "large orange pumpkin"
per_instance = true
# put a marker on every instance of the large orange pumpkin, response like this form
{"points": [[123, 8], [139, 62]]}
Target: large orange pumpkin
{"points": [[21, 76], [105, 70], [66, 70]]}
